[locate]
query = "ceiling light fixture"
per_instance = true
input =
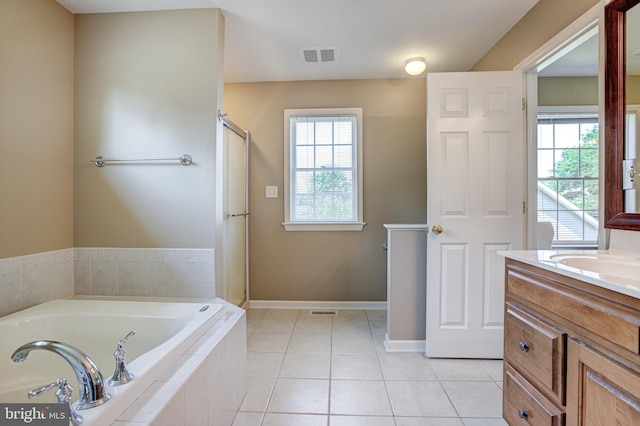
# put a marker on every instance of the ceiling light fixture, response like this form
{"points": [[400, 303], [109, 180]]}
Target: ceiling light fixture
{"points": [[415, 66]]}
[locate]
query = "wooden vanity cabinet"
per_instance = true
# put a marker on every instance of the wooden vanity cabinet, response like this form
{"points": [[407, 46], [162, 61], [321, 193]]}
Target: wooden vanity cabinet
{"points": [[571, 351]]}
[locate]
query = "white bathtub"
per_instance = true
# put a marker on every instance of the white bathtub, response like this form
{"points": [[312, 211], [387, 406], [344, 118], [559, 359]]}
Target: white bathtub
{"points": [[164, 331]]}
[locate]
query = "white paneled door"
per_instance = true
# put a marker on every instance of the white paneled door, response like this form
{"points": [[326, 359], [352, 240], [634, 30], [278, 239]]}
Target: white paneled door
{"points": [[476, 174]]}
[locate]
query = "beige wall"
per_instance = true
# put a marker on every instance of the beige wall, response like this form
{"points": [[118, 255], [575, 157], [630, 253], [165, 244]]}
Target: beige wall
{"points": [[633, 90], [146, 85], [546, 19], [336, 266], [36, 127], [561, 91]]}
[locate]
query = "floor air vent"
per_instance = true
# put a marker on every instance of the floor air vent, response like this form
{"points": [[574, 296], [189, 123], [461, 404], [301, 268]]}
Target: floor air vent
{"points": [[323, 313]]}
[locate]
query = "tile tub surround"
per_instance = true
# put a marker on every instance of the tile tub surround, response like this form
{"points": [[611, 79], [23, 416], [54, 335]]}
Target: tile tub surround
{"points": [[144, 272], [313, 370], [28, 280], [205, 386]]}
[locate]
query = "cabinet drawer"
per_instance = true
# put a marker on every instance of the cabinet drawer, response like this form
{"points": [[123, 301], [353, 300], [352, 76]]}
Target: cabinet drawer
{"points": [[523, 405], [615, 319], [537, 350]]}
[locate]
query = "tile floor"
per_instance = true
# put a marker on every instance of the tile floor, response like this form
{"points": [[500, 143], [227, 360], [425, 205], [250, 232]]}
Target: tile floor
{"points": [[333, 370]]}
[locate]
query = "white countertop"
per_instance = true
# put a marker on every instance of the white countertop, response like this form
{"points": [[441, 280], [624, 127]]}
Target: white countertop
{"points": [[544, 260]]}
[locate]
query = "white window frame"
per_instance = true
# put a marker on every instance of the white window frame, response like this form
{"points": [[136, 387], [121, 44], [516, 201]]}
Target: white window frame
{"points": [[569, 111], [358, 223]]}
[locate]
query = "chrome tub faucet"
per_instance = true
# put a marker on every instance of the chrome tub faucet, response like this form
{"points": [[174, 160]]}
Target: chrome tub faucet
{"points": [[92, 388]]}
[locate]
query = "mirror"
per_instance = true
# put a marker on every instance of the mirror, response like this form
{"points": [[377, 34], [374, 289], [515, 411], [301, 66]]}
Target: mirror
{"points": [[618, 124]]}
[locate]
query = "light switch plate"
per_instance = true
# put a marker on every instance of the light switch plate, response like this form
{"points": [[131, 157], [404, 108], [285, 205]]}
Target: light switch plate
{"points": [[272, 192]]}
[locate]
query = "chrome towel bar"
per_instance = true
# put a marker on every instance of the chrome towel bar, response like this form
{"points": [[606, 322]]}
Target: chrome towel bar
{"points": [[101, 161]]}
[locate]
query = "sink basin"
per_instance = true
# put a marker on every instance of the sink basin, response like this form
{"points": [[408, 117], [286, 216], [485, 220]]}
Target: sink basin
{"points": [[610, 267]]}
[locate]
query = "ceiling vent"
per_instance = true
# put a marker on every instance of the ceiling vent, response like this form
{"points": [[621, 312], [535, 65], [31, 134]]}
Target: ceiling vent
{"points": [[319, 54]]}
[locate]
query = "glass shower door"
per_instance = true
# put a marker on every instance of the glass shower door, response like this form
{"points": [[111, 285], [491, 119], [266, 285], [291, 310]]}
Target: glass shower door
{"points": [[236, 217]]}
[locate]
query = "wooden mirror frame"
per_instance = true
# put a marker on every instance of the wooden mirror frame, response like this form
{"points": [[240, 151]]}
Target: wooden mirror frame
{"points": [[615, 107]]}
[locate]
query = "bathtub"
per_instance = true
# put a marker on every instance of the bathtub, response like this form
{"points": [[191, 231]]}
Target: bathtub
{"points": [[164, 331]]}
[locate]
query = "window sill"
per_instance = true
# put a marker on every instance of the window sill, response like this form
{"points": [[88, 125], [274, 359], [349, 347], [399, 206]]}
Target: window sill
{"points": [[323, 226]]}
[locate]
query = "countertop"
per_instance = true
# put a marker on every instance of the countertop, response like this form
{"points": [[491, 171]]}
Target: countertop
{"points": [[544, 259]]}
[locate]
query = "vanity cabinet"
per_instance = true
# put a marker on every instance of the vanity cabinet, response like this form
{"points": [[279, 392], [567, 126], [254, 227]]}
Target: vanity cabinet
{"points": [[571, 351]]}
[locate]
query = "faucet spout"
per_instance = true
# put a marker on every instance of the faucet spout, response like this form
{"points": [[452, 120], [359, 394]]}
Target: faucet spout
{"points": [[91, 385]]}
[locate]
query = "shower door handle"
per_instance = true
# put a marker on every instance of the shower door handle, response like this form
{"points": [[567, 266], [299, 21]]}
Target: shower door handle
{"points": [[238, 214]]}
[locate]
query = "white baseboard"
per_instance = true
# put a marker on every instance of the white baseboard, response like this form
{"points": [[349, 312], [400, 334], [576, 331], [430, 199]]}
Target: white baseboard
{"points": [[308, 304], [404, 345]]}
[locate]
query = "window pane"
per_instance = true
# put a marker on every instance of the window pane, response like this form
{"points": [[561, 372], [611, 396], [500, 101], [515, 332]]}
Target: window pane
{"points": [[324, 156], [343, 156], [588, 162], [571, 192], [304, 182], [589, 134], [547, 195], [567, 163], [304, 157], [545, 135], [545, 163], [303, 209], [343, 131], [303, 132], [567, 135], [324, 133]]}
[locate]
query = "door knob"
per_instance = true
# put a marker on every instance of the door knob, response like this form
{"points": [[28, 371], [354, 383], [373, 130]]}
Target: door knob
{"points": [[436, 229]]}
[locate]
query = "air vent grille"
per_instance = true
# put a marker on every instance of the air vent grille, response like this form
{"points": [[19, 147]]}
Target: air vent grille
{"points": [[319, 54], [324, 313]]}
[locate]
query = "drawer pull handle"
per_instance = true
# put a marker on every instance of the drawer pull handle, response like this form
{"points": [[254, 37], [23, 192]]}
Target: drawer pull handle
{"points": [[524, 347], [523, 414]]}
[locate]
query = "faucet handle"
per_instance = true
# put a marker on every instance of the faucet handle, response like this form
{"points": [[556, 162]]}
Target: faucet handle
{"points": [[121, 375], [64, 397], [125, 338]]}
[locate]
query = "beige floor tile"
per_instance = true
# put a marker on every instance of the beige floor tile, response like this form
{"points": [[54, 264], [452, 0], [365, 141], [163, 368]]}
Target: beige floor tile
{"points": [[301, 365], [493, 368], [305, 396], [475, 399], [281, 314], [268, 342], [377, 315], [256, 314], [357, 397], [459, 369], [353, 314], [345, 343], [319, 343], [428, 421], [275, 325], [351, 326], [484, 422], [248, 419], [258, 393], [361, 421], [355, 367], [378, 328], [403, 366], [273, 419], [264, 364], [419, 398], [313, 325]]}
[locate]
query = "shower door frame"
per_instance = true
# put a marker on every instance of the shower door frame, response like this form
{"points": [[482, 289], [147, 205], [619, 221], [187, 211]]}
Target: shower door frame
{"points": [[222, 214]]}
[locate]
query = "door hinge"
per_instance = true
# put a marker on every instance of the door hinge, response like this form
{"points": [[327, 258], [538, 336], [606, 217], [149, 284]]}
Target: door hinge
{"points": [[524, 104], [524, 207]]}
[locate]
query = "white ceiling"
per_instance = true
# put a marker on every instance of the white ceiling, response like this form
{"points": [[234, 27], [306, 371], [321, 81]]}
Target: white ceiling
{"points": [[374, 37]]}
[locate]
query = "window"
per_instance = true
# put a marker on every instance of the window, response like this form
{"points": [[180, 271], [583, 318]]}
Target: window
{"points": [[323, 169], [568, 164]]}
